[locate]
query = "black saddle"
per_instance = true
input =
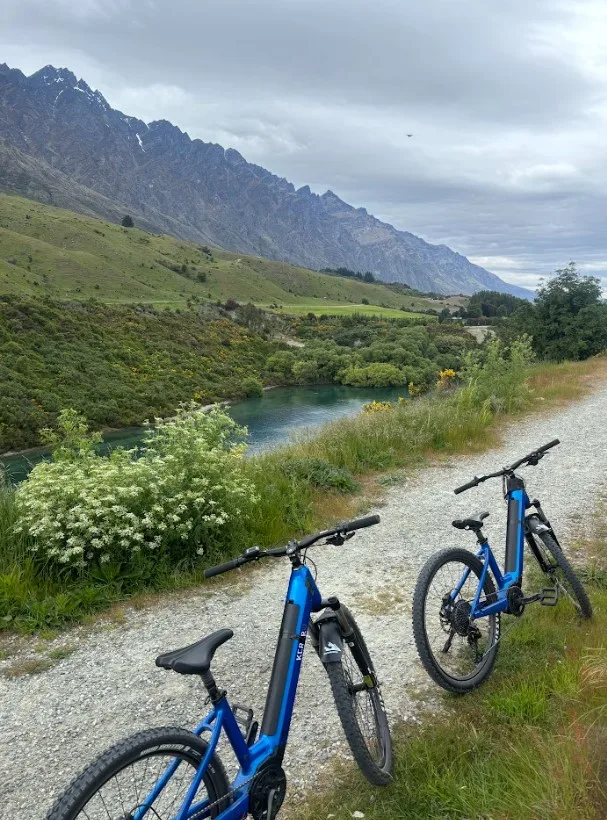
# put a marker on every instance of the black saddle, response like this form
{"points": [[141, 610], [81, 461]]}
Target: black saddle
{"points": [[196, 658], [475, 523]]}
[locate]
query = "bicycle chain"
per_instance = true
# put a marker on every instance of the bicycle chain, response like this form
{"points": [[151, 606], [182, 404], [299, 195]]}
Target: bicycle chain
{"points": [[232, 791]]}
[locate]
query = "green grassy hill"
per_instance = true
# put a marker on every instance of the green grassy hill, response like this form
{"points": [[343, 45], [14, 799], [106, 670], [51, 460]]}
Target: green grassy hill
{"points": [[49, 251]]}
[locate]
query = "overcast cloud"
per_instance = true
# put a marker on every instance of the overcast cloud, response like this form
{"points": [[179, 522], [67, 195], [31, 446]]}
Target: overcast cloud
{"points": [[506, 101]]}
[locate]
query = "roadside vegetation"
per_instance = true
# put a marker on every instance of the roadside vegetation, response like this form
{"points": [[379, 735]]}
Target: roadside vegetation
{"points": [[86, 531], [531, 744]]}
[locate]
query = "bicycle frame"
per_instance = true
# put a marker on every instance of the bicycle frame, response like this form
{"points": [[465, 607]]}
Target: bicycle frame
{"points": [[518, 502], [303, 598]]}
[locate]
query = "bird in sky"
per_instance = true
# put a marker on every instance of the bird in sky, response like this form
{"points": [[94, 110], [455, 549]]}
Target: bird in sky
{"points": [[409, 135]]}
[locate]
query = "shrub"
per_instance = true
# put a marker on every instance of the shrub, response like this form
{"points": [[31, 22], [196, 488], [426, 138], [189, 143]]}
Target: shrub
{"points": [[127, 222], [378, 406], [446, 379], [497, 374], [320, 473], [252, 386], [184, 493], [373, 375]]}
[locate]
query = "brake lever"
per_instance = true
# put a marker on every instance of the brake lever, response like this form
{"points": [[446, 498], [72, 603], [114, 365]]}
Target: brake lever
{"points": [[339, 538]]}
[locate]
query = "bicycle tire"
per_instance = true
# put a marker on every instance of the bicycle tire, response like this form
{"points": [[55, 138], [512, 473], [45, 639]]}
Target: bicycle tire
{"points": [[376, 765], [457, 684], [583, 605], [174, 742]]}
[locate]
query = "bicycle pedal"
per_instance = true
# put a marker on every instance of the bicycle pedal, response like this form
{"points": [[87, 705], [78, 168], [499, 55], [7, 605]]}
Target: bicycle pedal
{"points": [[246, 720], [550, 596]]}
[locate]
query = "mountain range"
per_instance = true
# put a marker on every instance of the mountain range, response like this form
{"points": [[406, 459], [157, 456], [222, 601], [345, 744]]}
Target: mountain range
{"points": [[62, 143]]}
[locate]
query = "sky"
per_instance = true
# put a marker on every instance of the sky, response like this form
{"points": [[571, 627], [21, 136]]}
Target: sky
{"points": [[506, 101]]}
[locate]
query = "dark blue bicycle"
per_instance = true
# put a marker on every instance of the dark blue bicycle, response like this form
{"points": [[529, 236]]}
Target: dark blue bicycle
{"points": [[173, 774], [459, 596]]}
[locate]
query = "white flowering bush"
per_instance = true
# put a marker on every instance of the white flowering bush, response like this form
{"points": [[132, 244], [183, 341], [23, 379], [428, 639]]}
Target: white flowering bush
{"points": [[183, 492]]}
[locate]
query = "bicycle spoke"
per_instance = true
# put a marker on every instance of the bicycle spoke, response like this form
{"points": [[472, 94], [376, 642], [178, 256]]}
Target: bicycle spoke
{"points": [[362, 697], [456, 653]]}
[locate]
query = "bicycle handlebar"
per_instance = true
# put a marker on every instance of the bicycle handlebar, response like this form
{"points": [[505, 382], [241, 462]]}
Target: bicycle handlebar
{"points": [[255, 553], [236, 562], [531, 459], [535, 453]]}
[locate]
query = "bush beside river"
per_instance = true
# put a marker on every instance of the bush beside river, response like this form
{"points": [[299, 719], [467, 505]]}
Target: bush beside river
{"points": [[86, 531]]}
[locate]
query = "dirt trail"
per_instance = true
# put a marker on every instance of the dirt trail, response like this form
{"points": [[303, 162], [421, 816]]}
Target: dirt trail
{"points": [[53, 723]]}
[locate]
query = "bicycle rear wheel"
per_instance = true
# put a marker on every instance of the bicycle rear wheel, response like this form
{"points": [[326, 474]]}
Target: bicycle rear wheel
{"points": [[360, 706], [560, 571], [119, 784], [458, 653]]}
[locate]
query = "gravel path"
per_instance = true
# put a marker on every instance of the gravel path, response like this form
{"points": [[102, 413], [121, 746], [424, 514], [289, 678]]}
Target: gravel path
{"points": [[54, 722]]}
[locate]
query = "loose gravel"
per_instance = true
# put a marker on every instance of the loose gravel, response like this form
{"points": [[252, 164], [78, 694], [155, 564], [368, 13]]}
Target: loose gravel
{"points": [[53, 723]]}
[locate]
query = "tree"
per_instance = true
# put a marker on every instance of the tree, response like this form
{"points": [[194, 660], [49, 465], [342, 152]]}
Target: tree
{"points": [[569, 320], [127, 222]]}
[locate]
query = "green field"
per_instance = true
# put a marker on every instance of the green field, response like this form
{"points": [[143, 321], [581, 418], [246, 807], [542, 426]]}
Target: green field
{"points": [[327, 309], [48, 251]]}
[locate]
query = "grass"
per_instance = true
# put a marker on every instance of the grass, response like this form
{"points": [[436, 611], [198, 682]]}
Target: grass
{"points": [[291, 500], [323, 308], [48, 251], [531, 744]]}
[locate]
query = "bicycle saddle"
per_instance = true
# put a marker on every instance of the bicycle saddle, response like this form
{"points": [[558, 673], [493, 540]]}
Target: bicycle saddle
{"points": [[196, 658], [474, 523]]}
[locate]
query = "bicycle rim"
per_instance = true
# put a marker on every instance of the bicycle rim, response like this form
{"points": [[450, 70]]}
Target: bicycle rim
{"points": [[368, 706], [459, 648], [127, 792]]}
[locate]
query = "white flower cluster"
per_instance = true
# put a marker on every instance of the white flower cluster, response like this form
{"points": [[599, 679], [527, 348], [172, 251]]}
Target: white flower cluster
{"points": [[175, 496]]}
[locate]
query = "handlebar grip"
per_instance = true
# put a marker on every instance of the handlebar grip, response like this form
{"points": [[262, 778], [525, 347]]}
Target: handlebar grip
{"points": [[468, 486], [236, 562], [550, 444], [361, 523]]}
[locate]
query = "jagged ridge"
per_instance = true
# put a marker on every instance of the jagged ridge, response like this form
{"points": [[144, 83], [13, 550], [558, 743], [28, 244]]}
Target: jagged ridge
{"points": [[201, 191]]}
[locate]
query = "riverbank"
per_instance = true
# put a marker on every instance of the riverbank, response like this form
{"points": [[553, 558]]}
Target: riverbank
{"points": [[299, 488], [272, 420], [102, 684]]}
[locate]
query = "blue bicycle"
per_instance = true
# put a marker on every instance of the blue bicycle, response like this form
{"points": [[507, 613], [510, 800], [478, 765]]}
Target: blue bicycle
{"points": [[173, 774], [459, 596]]}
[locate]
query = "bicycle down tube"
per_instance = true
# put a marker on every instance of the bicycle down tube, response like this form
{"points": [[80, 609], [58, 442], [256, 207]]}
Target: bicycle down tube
{"points": [[518, 502], [303, 597]]}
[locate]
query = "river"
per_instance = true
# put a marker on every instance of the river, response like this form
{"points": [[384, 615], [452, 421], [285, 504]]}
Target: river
{"points": [[274, 419]]}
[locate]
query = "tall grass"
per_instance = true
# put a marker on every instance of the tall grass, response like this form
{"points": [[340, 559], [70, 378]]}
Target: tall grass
{"points": [[531, 744], [291, 484]]}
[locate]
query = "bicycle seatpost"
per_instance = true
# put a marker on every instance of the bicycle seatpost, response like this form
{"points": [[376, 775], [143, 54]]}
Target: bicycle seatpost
{"points": [[215, 694]]}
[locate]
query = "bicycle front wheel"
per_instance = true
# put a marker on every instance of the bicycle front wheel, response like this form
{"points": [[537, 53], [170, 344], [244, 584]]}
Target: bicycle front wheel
{"points": [[560, 571], [457, 652], [122, 784], [360, 706]]}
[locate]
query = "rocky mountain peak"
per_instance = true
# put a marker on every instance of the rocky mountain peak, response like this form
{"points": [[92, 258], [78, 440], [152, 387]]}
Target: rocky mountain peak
{"points": [[198, 190], [49, 75]]}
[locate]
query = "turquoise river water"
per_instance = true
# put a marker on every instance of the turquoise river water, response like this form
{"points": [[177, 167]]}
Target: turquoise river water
{"points": [[274, 419]]}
